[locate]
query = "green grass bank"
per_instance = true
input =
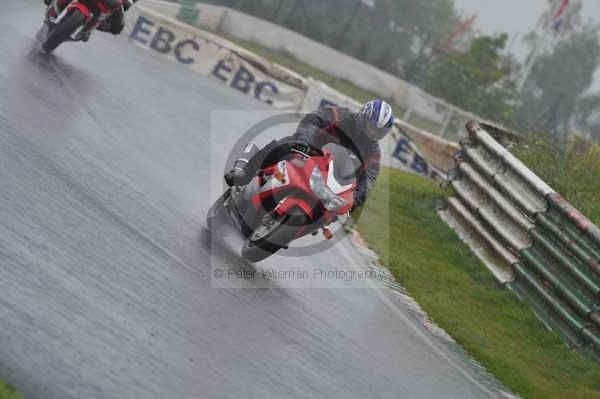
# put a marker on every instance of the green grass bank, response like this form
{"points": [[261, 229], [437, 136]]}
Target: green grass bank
{"points": [[460, 294], [8, 392]]}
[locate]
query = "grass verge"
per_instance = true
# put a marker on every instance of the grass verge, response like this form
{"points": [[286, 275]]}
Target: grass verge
{"points": [[572, 169], [8, 392], [460, 294]]}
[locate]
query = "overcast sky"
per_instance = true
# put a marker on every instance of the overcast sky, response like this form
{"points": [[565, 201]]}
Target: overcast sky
{"points": [[515, 17], [518, 17]]}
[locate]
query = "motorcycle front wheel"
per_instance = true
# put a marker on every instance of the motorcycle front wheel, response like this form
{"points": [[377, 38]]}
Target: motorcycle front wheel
{"points": [[272, 235], [63, 30]]}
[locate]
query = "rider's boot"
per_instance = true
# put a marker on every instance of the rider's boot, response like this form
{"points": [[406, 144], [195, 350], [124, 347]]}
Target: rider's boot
{"points": [[114, 24], [238, 175]]}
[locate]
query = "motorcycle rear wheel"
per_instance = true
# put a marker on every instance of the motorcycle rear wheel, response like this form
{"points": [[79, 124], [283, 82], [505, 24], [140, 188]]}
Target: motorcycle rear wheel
{"points": [[63, 30]]}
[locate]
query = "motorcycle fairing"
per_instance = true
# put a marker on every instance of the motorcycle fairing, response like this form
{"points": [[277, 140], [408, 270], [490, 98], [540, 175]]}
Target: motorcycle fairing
{"points": [[288, 204], [332, 182], [273, 184], [297, 170]]}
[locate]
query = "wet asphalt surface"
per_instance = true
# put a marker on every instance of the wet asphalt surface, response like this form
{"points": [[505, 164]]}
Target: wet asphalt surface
{"points": [[106, 264]]}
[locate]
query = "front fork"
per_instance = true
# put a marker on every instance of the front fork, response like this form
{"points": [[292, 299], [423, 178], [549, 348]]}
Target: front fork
{"points": [[59, 9]]}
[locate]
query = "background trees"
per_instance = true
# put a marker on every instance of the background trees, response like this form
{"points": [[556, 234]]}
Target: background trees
{"points": [[402, 37], [392, 34], [478, 80], [556, 98]]}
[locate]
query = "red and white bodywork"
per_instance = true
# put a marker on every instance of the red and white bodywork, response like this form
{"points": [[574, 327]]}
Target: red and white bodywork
{"points": [[94, 13], [296, 189], [290, 199]]}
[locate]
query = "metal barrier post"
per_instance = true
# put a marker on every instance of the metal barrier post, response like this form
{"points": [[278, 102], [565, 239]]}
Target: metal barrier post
{"points": [[447, 121], [407, 114]]}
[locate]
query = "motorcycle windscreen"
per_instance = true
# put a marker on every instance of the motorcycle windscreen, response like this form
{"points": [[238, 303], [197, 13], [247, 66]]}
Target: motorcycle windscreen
{"points": [[345, 164]]}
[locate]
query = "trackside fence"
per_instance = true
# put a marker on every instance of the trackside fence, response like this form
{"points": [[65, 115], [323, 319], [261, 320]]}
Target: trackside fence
{"points": [[151, 25], [533, 241]]}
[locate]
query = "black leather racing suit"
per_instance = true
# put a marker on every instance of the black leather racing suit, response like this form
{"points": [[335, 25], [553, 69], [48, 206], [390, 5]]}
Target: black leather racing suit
{"points": [[324, 126], [116, 22]]}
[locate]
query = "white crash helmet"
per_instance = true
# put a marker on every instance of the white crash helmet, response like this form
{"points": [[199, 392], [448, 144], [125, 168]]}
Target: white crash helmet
{"points": [[375, 119]]}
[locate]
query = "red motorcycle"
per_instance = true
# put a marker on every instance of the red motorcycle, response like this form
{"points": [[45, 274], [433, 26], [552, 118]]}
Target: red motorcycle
{"points": [[74, 20], [297, 196]]}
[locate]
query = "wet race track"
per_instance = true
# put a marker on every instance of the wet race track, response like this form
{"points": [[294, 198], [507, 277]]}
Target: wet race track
{"points": [[105, 261]]}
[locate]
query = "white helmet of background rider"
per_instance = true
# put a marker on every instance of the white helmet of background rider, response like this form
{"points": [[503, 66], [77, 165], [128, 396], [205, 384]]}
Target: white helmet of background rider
{"points": [[375, 119]]}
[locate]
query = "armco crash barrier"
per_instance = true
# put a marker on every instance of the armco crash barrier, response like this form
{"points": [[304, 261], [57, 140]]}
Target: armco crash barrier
{"points": [[252, 75], [537, 244]]}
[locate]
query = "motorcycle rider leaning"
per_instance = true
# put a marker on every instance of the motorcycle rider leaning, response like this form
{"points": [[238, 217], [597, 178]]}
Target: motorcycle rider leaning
{"points": [[115, 23], [358, 131]]}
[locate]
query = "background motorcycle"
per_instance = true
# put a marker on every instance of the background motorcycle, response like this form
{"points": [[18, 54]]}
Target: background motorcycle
{"points": [[299, 195], [74, 20]]}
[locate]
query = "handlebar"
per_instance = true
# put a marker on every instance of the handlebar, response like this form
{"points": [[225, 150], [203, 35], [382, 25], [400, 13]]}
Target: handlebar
{"points": [[307, 150]]}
